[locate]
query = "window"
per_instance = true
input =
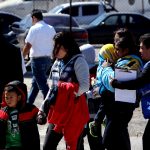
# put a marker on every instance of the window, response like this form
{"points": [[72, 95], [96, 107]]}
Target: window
{"points": [[74, 11], [90, 10], [136, 19], [59, 21], [131, 2], [112, 20]]}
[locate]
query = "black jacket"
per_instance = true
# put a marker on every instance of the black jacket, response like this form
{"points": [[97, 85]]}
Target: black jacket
{"points": [[10, 63], [26, 120]]}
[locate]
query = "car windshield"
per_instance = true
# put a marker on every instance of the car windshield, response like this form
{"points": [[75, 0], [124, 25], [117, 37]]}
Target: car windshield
{"points": [[98, 20], [56, 9], [26, 19], [57, 21], [26, 22]]}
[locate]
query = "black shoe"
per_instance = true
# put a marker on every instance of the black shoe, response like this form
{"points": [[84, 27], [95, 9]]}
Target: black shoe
{"points": [[93, 129]]}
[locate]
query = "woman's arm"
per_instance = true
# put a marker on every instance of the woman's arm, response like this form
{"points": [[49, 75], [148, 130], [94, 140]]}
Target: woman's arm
{"points": [[82, 73]]}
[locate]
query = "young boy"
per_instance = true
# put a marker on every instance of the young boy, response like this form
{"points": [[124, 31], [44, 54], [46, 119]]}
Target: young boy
{"points": [[18, 127]]}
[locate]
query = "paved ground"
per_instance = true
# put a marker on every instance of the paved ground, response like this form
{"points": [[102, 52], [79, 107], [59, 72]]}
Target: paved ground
{"points": [[136, 126]]}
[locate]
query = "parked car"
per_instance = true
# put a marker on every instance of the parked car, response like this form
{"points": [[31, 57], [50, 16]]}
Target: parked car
{"points": [[84, 12], [6, 19], [61, 22], [23, 7], [101, 30]]}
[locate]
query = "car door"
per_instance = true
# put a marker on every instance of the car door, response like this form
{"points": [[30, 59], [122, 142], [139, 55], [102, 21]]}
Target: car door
{"points": [[138, 25], [104, 32], [7, 20]]}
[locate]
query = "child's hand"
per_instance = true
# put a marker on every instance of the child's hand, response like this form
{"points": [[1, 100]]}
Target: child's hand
{"points": [[95, 92], [41, 118], [112, 81], [106, 63]]}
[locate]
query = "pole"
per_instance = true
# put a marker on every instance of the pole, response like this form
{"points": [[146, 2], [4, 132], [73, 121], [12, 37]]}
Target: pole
{"points": [[143, 7], [70, 12]]}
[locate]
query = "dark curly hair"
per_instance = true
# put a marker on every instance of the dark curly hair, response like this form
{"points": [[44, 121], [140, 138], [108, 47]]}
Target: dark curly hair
{"points": [[66, 40]]}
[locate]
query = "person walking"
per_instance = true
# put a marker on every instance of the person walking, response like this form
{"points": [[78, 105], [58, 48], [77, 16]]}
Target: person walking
{"points": [[10, 62], [65, 104], [39, 46], [107, 52], [142, 82], [118, 113], [18, 127]]}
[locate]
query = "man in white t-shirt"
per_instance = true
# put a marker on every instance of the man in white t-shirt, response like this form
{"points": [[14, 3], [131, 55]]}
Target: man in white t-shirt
{"points": [[39, 46]]}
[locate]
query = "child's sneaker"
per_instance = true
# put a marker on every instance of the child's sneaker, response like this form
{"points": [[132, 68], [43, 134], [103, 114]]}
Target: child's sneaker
{"points": [[93, 129]]}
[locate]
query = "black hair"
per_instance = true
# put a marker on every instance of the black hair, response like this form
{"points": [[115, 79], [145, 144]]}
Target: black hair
{"points": [[19, 87], [124, 43], [124, 32], [11, 88], [37, 14], [126, 40], [66, 40], [145, 39]]}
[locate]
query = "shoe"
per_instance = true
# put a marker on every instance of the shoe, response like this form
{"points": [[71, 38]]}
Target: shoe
{"points": [[104, 122], [93, 129]]}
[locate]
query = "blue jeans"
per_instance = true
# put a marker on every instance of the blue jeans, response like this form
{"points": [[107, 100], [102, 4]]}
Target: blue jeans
{"points": [[39, 67]]}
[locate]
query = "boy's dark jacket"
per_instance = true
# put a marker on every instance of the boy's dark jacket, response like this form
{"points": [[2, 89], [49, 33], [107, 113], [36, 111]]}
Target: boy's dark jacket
{"points": [[27, 120]]}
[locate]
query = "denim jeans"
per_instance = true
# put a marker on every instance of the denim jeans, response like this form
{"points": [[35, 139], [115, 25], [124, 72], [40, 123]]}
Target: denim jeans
{"points": [[39, 67]]}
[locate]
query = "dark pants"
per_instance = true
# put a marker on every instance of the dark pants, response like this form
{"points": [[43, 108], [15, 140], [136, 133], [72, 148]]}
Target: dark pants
{"points": [[146, 136], [53, 138], [116, 135], [118, 114], [39, 67]]}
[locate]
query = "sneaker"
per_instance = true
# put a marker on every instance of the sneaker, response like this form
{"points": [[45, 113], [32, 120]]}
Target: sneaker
{"points": [[93, 129]]}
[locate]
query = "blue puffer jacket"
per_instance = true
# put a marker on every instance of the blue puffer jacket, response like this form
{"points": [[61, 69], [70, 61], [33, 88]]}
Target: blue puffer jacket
{"points": [[107, 73]]}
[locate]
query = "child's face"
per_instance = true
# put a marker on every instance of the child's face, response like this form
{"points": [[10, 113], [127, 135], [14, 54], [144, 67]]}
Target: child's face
{"points": [[11, 98], [145, 52]]}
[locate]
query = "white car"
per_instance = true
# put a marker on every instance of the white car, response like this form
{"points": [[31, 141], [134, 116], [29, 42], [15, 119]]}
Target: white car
{"points": [[24, 7], [84, 12]]}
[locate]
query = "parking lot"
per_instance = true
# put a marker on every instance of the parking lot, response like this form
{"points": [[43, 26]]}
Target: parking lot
{"points": [[136, 126]]}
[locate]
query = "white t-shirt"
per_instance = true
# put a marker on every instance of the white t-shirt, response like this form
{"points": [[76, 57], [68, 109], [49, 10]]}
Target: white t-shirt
{"points": [[40, 36]]}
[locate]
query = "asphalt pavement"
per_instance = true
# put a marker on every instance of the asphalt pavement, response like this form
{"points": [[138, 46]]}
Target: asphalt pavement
{"points": [[136, 127]]}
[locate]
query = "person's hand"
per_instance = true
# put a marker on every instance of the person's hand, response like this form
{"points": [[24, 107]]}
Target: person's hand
{"points": [[41, 118], [112, 81], [89, 95], [93, 81], [106, 63], [95, 92]]}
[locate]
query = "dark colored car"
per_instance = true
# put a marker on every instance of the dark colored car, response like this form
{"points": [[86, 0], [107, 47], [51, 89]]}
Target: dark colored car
{"points": [[6, 19], [61, 22], [101, 30]]}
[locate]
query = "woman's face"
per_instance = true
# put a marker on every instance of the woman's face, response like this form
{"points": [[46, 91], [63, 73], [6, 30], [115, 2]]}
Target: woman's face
{"points": [[121, 52], [61, 53]]}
